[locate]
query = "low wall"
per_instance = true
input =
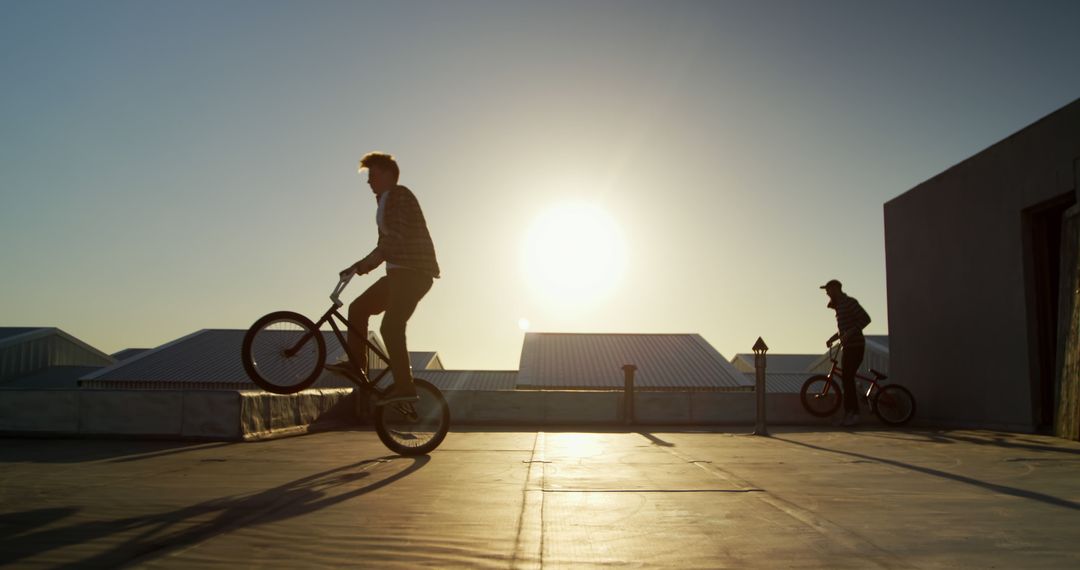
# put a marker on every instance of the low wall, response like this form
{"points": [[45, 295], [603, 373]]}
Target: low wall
{"points": [[247, 415], [578, 407], [193, 414]]}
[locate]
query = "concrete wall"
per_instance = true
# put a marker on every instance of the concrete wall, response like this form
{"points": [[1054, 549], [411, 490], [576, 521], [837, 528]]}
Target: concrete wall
{"points": [[533, 407], [193, 414], [550, 407], [955, 258]]}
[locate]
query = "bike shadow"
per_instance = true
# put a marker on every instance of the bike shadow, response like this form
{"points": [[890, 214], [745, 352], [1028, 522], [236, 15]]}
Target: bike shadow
{"points": [[161, 533], [986, 438], [75, 450]]}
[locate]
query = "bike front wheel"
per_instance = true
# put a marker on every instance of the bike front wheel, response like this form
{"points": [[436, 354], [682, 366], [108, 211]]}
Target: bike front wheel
{"points": [[894, 405], [821, 396], [283, 352], [414, 428]]}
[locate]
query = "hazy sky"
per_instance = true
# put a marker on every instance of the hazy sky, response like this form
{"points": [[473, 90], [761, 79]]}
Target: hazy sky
{"points": [[172, 166]]}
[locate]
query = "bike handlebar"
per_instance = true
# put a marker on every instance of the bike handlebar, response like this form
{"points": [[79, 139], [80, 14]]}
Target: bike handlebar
{"points": [[343, 280]]}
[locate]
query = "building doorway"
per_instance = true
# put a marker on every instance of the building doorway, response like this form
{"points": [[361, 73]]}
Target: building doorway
{"points": [[1043, 241]]}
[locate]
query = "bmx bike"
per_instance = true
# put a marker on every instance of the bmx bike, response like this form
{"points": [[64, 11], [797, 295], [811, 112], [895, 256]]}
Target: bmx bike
{"points": [[284, 353], [892, 403]]}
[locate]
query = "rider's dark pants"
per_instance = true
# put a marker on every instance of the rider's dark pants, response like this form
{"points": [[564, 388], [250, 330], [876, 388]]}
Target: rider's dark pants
{"points": [[849, 365], [397, 294]]}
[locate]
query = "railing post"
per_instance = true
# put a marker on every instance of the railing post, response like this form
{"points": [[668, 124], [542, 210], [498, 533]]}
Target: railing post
{"points": [[628, 394], [760, 348]]}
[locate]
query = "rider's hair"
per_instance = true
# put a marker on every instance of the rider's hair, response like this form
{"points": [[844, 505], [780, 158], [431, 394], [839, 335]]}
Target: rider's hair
{"points": [[380, 160]]}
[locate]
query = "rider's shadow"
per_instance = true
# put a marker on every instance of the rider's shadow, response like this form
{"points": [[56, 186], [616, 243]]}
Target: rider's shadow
{"points": [[159, 536]]}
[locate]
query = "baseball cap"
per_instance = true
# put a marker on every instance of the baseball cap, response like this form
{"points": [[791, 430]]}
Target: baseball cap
{"points": [[832, 283]]}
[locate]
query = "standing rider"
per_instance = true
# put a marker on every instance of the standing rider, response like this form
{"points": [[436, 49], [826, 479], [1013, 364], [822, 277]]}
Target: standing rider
{"points": [[405, 245], [851, 319]]}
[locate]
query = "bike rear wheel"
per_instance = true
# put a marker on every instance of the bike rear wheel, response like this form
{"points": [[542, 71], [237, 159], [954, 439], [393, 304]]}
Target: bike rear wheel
{"points": [[894, 405], [414, 428], [821, 396], [283, 352]]}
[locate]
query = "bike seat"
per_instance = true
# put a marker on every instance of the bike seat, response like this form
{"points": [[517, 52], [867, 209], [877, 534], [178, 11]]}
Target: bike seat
{"points": [[880, 375]]}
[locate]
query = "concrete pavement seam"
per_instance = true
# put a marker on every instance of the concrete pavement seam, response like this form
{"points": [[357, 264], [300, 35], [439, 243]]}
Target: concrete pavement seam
{"points": [[821, 525], [529, 542]]}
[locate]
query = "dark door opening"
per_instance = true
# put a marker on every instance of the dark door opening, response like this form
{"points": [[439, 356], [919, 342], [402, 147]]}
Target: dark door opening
{"points": [[1043, 225]]}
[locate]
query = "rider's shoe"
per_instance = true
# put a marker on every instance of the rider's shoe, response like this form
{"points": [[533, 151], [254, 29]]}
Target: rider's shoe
{"points": [[397, 394], [342, 367], [850, 419]]}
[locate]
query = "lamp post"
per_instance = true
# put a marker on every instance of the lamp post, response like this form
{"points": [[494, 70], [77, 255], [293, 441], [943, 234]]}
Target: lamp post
{"points": [[760, 348]]}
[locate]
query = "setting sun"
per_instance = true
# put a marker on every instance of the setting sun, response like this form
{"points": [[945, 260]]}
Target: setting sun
{"points": [[574, 253]]}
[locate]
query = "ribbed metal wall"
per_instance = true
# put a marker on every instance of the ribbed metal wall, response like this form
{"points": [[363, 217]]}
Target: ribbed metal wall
{"points": [[781, 382], [475, 380], [33, 350]]}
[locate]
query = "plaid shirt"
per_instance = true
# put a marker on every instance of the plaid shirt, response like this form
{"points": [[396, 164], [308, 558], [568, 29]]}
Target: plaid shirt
{"points": [[405, 240], [851, 319]]}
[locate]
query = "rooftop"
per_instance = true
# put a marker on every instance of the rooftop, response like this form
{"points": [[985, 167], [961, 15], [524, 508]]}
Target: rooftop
{"points": [[535, 499]]}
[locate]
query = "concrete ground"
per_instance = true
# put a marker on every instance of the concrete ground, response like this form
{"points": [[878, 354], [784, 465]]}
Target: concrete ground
{"points": [[528, 499]]}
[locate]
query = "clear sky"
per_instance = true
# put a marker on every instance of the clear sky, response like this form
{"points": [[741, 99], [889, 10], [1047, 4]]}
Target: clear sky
{"points": [[172, 166]]}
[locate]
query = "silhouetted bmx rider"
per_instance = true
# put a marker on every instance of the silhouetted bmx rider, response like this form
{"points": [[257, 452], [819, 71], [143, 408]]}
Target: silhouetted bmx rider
{"points": [[406, 247], [851, 319]]}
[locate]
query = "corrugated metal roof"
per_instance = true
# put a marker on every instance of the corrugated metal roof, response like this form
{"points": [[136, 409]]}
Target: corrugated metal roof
{"points": [[206, 359], [128, 353], [7, 332], [879, 339], [782, 382], [595, 361], [781, 362]]}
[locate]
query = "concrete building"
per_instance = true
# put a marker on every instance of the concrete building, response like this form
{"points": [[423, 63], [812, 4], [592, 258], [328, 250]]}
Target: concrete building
{"points": [[45, 357], [982, 290]]}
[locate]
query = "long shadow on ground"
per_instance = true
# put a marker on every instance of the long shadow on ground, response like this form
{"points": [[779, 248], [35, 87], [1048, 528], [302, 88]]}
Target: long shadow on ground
{"points": [[1003, 489], [75, 450], [157, 536]]}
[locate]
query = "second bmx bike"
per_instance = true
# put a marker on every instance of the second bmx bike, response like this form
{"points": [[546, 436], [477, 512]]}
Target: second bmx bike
{"points": [[893, 404], [284, 353]]}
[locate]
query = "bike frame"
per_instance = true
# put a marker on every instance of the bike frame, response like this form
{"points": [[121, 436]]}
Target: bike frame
{"points": [[364, 383], [836, 371]]}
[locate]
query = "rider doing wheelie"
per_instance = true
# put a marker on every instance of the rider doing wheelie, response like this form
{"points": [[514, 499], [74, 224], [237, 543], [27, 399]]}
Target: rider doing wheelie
{"points": [[406, 247]]}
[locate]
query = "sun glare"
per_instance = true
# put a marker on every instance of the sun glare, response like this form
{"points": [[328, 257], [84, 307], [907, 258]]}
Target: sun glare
{"points": [[574, 253]]}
